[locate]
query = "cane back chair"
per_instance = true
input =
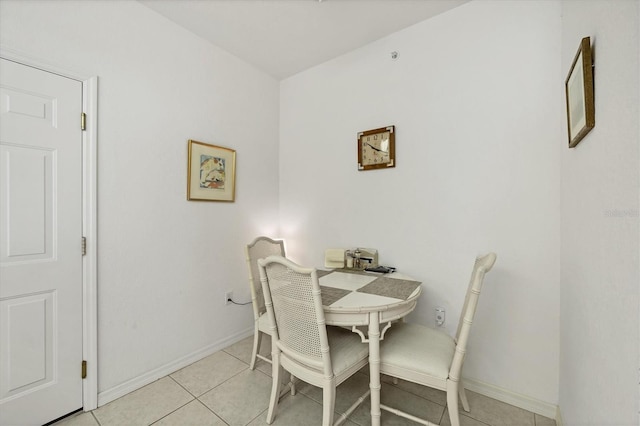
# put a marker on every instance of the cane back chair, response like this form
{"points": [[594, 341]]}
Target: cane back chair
{"points": [[259, 248], [431, 357], [301, 342]]}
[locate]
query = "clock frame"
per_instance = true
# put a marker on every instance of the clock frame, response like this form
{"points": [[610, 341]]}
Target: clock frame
{"points": [[377, 149]]}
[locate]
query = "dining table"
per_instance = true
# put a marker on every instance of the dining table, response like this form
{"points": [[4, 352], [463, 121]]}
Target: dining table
{"points": [[367, 303]]}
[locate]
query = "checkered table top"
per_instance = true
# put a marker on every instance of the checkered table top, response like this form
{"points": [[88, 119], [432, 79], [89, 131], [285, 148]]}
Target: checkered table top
{"points": [[342, 288]]}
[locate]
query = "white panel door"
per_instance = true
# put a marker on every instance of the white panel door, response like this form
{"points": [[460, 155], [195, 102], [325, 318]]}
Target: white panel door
{"points": [[40, 245]]}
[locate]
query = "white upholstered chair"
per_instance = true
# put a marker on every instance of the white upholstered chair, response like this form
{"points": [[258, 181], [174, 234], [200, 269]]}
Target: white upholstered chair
{"points": [[301, 342], [259, 248], [431, 357]]}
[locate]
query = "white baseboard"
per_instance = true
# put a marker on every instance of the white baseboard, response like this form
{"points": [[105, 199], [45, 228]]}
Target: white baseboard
{"points": [[559, 421], [116, 392], [542, 408], [527, 403]]}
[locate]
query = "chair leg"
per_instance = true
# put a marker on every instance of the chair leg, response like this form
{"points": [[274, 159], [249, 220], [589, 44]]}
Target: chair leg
{"points": [[452, 403], [293, 385], [328, 405], [275, 387], [463, 397], [257, 338]]}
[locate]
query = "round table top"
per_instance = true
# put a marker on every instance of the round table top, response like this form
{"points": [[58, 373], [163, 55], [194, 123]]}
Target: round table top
{"points": [[346, 296]]}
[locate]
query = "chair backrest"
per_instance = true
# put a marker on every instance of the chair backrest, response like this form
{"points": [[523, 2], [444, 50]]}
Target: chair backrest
{"points": [[260, 248], [482, 265], [294, 305]]}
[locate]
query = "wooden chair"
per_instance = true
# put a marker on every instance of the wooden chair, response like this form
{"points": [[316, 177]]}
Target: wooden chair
{"points": [[301, 342], [431, 357], [259, 248]]}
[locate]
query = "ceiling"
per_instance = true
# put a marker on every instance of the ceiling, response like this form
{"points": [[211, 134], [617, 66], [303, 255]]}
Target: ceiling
{"points": [[284, 37]]}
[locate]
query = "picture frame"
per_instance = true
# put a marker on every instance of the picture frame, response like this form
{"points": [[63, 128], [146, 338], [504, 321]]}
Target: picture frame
{"points": [[211, 172], [579, 93]]}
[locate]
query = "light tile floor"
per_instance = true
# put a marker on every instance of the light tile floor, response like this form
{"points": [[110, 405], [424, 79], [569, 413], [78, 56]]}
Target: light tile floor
{"points": [[221, 390]]}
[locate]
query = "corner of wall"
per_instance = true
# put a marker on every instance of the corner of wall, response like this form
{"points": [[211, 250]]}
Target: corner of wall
{"points": [[559, 421], [533, 405]]}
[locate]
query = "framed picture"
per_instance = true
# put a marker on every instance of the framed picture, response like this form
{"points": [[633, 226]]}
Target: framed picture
{"points": [[211, 172], [579, 93]]}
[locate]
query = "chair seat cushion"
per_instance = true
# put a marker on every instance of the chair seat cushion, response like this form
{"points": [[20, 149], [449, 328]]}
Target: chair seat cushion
{"points": [[418, 349], [346, 349]]}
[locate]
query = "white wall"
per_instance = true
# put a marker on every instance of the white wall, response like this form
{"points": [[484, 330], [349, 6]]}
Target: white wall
{"points": [[600, 189], [164, 262], [476, 98]]}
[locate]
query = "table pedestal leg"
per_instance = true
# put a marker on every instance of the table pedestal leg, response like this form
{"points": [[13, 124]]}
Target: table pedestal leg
{"points": [[374, 367]]}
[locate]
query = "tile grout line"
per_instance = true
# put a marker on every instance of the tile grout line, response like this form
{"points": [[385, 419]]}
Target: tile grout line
{"points": [[197, 397], [214, 413], [442, 415], [183, 405], [479, 421], [242, 361], [220, 384], [415, 394], [266, 409], [179, 384]]}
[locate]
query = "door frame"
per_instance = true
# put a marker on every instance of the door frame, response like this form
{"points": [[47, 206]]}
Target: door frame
{"points": [[89, 217]]}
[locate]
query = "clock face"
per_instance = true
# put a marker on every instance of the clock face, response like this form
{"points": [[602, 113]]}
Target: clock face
{"points": [[376, 149]]}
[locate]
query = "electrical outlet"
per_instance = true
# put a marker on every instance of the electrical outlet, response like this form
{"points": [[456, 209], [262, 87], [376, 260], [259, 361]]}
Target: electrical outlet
{"points": [[228, 296], [440, 317]]}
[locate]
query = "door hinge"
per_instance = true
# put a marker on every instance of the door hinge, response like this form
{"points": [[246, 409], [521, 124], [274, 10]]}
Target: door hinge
{"points": [[83, 121], [84, 369], [84, 246]]}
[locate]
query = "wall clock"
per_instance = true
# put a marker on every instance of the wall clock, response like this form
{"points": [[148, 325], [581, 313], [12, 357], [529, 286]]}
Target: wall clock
{"points": [[377, 148]]}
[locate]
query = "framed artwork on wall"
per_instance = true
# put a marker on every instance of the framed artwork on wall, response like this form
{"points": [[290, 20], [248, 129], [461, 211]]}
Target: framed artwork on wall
{"points": [[211, 172], [579, 94]]}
